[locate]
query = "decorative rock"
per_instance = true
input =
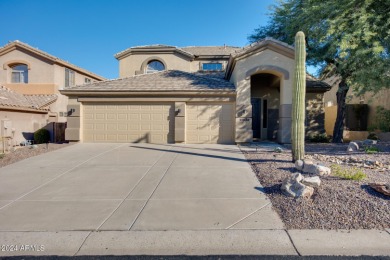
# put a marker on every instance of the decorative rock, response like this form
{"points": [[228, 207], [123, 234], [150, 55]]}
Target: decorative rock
{"points": [[314, 182], [299, 165], [309, 167], [322, 170], [353, 147], [34, 146], [381, 187], [293, 187]]}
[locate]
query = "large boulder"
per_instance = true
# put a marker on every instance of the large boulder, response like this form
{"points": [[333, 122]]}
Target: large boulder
{"points": [[293, 187], [311, 168], [314, 182]]}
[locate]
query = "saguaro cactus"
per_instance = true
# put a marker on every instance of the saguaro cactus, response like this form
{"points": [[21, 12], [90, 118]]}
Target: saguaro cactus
{"points": [[298, 101]]}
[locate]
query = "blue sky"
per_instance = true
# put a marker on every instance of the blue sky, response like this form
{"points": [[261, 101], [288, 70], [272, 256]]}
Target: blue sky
{"points": [[88, 33]]}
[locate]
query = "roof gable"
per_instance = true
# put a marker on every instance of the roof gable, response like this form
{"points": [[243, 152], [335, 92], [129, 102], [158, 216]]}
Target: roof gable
{"points": [[259, 46], [24, 46], [153, 49]]}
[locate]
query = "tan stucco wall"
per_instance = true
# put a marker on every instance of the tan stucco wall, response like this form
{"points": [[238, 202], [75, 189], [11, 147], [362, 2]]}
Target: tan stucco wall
{"points": [[33, 89], [24, 122], [243, 86]]}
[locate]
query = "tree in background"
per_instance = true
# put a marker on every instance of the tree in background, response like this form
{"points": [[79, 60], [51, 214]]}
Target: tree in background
{"points": [[348, 39]]}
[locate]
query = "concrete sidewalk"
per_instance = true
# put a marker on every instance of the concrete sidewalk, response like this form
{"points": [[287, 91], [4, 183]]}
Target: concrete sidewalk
{"points": [[200, 242], [143, 199]]}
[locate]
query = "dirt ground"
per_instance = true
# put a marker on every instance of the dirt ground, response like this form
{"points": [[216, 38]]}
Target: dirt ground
{"points": [[337, 203]]}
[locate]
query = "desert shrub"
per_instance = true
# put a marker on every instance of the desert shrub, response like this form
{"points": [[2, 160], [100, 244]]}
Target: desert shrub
{"points": [[371, 149], [353, 173], [319, 138], [372, 136], [42, 136]]}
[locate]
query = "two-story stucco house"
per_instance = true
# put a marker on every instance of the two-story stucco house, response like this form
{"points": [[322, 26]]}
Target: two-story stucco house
{"points": [[217, 94], [30, 81]]}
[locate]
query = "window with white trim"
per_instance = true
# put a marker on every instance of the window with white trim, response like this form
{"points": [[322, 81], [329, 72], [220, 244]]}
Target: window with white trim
{"points": [[69, 78], [19, 73]]}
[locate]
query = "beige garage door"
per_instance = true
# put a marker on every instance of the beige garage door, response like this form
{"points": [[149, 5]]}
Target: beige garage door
{"points": [[151, 123], [209, 123]]}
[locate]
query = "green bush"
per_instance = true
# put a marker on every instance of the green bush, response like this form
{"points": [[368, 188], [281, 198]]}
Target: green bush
{"points": [[371, 149], [319, 138], [42, 136], [353, 173]]}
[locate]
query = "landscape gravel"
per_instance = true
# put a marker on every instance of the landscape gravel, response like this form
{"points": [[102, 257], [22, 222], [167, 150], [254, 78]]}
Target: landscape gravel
{"points": [[24, 152], [337, 203]]}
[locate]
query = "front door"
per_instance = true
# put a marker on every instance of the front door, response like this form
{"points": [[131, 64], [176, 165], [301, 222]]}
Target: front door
{"points": [[256, 118], [259, 118]]}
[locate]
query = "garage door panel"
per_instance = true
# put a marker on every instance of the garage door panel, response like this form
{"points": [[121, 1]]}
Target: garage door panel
{"points": [[129, 123], [122, 116], [100, 116], [207, 123]]}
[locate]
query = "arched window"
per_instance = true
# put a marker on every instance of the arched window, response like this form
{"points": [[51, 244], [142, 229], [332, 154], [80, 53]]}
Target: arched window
{"points": [[19, 73], [154, 66]]}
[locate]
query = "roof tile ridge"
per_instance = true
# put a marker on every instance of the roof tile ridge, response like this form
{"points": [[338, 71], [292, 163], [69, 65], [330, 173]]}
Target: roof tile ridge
{"points": [[117, 79], [142, 46]]}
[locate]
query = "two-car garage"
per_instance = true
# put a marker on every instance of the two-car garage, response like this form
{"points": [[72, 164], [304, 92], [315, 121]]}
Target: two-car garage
{"points": [[162, 107], [154, 122]]}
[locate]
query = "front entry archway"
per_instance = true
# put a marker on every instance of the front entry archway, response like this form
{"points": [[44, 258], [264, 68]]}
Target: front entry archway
{"points": [[265, 100]]}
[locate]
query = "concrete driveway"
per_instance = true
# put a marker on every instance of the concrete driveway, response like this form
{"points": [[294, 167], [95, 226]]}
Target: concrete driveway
{"points": [[134, 187]]}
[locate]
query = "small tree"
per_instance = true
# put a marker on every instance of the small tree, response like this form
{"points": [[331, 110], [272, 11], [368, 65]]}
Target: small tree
{"points": [[298, 102], [348, 39]]}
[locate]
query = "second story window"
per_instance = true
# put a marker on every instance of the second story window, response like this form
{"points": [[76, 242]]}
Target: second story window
{"points": [[87, 81], [212, 66], [19, 74], [69, 78], [154, 66]]}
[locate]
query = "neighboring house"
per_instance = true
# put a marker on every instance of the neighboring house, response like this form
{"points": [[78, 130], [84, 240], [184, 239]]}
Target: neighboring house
{"points": [[217, 94], [361, 112], [34, 74], [21, 114]]}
